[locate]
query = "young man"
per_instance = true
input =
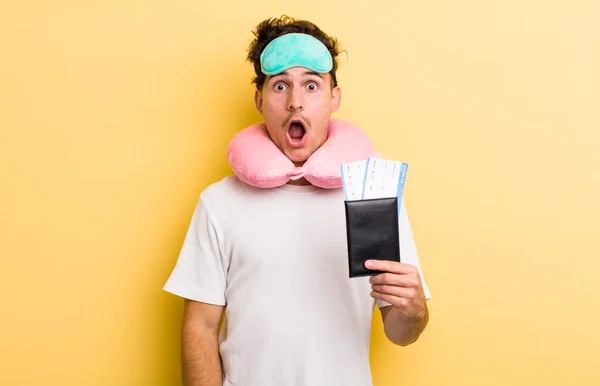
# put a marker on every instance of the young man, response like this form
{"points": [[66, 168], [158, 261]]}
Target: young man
{"points": [[275, 260]]}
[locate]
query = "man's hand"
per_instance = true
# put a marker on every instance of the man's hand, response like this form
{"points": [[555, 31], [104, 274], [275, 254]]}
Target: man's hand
{"points": [[400, 285]]}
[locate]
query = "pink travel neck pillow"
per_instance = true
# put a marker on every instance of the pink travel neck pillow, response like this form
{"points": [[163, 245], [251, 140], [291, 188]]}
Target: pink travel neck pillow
{"points": [[257, 161]]}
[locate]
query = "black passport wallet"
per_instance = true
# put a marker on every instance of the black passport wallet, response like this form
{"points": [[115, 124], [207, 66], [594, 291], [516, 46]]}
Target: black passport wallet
{"points": [[372, 233]]}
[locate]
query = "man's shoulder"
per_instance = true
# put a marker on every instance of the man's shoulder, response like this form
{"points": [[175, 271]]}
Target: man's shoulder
{"points": [[228, 182], [227, 187], [228, 200]]}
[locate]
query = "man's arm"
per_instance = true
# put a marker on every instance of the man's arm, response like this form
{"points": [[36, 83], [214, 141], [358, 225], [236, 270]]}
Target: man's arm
{"points": [[401, 286], [201, 362], [403, 330]]}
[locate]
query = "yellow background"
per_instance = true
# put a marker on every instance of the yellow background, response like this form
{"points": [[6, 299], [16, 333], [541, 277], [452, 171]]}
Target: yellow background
{"points": [[116, 114]]}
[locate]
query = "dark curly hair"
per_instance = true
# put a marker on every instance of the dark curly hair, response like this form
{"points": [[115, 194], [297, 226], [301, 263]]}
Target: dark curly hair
{"points": [[269, 29]]}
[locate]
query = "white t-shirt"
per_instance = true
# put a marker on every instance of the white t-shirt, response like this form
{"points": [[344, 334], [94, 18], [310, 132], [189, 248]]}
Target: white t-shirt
{"points": [[277, 259]]}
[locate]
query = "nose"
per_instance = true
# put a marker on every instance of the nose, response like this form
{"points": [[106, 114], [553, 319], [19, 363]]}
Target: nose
{"points": [[296, 100]]}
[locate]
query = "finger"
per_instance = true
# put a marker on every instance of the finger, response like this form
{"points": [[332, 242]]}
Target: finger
{"points": [[408, 280], [400, 292], [393, 300], [390, 266]]}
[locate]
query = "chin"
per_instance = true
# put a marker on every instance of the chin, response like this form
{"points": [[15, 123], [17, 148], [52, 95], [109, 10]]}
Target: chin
{"points": [[299, 155]]}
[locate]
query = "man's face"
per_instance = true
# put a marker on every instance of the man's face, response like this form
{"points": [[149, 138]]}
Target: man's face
{"points": [[297, 106]]}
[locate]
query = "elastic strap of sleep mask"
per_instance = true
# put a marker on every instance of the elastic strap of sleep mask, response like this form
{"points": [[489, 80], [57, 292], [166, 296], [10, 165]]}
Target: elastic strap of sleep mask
{"points": [[295, 50]]}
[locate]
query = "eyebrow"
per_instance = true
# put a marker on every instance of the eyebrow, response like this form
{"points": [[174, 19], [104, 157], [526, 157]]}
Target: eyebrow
{"points": [[305, 73], [313, 73]]}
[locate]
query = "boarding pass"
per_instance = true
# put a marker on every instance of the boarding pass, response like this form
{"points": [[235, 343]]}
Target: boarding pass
{"points": [[373, 178]]}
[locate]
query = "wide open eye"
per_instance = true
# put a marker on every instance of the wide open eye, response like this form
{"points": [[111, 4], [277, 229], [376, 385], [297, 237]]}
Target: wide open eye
{"points": [[279, 87], [312, 86]]}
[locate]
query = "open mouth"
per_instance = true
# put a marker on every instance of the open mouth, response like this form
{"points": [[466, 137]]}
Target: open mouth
{"points": [[296, 131]]}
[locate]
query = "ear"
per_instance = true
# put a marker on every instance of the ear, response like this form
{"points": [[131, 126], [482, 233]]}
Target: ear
{"points": [[258, 100], [336, 98]]}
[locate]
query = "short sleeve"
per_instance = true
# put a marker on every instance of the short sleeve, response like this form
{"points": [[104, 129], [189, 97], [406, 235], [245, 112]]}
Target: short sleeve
{"points": [[200, 270], [408, 251]]}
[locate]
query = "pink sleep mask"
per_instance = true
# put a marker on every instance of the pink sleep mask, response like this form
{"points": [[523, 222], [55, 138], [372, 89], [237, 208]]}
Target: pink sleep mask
{"points": [[257, 161]]}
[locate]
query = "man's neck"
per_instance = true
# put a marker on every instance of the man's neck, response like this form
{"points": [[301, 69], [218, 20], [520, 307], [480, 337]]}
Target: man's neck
{"points": [[299, 181]]}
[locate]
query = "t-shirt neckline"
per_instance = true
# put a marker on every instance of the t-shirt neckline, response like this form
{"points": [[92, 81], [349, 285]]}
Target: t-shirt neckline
{"points": [[298, 188]]}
